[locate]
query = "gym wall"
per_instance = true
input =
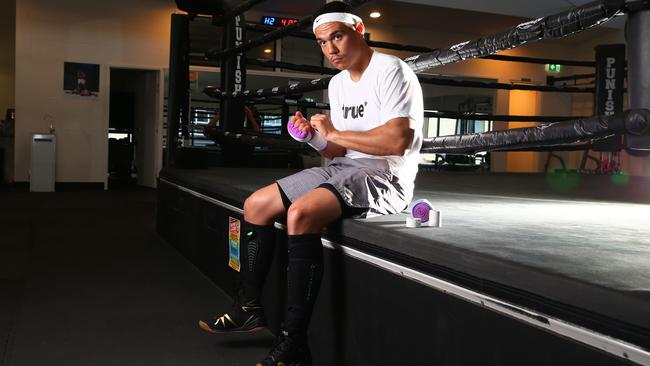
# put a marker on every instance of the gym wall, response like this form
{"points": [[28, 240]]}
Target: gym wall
{"points": [[117, 33], [7, 54]]}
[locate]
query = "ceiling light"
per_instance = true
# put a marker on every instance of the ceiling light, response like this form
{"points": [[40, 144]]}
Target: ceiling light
{"points": [[375, 14], [267, 50]]}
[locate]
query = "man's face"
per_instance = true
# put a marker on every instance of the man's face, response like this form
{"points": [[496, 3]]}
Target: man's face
{"points": [[339, 43]]}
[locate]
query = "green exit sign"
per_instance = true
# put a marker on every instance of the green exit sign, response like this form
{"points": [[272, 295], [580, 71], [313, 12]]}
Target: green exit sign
{"points": [[554, 68]]}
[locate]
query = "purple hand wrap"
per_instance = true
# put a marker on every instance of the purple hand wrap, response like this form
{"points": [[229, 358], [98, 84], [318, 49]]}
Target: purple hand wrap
{"points": [[298, 135], [420, 209]]}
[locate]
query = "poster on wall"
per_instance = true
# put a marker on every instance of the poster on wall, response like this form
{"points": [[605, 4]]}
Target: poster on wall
{"points": [[81, 79]]}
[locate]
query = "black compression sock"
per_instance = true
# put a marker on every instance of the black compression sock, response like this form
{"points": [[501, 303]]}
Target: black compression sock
{"points": [[305, 274], [258, 242]]}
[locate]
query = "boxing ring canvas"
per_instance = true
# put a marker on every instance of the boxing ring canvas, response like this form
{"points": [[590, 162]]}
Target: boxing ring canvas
{"points": [[521, 272]]}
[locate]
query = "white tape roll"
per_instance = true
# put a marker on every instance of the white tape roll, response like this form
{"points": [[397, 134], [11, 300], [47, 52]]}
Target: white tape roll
{"points": [[435, 218], [413, 222]]}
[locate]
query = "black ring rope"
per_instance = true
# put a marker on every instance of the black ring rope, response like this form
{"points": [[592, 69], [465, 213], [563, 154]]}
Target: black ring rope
{"points": [[546, 137], [635, 122], [550, 27], [542, 136], [411, 48]]}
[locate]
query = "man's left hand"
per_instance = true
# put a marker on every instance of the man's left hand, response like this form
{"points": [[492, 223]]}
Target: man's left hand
{"points": [[323, 124]]}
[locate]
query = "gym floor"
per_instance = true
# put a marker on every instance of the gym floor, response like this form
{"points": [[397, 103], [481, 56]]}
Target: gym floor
{"points": [[85, 280]]}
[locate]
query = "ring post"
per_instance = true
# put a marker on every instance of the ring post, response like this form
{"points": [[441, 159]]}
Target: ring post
{"points": [[608, 99], [638, 40], [233, 76], [179, 69]]}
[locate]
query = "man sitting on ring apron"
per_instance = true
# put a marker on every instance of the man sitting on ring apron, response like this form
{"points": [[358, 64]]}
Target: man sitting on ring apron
{"points": [[373, 136]]}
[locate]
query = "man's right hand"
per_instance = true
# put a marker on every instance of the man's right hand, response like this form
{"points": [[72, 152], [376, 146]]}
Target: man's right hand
{"points": [[300, 129]]}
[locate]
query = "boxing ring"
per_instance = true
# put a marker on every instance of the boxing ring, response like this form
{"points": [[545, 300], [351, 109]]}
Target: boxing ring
{"points": [[533, 269], [567, 269]]}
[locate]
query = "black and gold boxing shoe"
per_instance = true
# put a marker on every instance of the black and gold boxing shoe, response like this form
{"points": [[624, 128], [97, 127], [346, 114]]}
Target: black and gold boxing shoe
{"points": [[243, 317], [289, 350]]}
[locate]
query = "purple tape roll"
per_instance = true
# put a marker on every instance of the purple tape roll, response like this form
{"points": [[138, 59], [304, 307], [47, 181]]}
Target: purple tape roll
{"points": [[297, 134], [420, 210]]}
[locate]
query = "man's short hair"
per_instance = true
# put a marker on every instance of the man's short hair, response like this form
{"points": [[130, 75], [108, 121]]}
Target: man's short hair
{"points": [[336, 11], [335, 7]]}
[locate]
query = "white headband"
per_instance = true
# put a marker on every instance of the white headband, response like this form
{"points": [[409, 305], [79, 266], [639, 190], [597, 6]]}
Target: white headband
{"points": [[336, 17]]}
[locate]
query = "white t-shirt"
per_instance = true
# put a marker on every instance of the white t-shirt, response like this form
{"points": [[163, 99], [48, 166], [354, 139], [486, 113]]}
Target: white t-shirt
{"points": [[387, 89]]}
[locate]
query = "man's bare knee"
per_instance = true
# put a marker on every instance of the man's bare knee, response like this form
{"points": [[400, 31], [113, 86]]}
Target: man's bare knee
{"points": [[301, 219], [254, 209], [297, 215], [251, 203], [262, 207]]}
